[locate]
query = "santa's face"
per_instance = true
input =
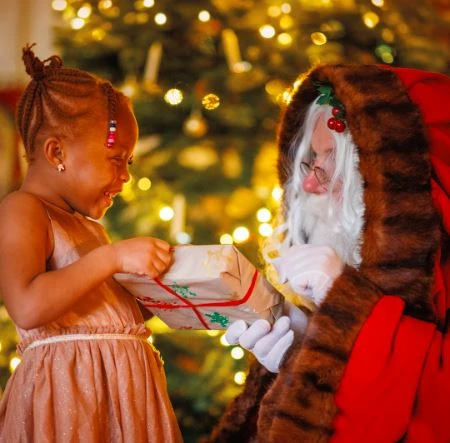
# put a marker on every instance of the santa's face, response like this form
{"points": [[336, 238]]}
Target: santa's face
{"points": [[320, 168], [325, 198]]}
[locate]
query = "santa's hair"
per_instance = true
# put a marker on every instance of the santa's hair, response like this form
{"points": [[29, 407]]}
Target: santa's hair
{"points": [[346, 206]]}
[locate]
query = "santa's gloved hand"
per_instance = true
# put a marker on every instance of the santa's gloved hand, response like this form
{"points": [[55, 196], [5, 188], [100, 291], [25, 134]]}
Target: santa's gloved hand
{"points": [[310, 270], [299, 320], [268, 344]]}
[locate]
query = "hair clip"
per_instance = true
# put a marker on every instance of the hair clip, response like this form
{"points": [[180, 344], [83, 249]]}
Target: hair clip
{"points": [[327, 97], [112, 128]]}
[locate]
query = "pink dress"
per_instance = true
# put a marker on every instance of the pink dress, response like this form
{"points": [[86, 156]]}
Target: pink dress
{"points": [[91, 375]]}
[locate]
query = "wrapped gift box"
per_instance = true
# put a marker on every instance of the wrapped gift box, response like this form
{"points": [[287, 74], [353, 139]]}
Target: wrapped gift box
{"points": [[207, 287]]}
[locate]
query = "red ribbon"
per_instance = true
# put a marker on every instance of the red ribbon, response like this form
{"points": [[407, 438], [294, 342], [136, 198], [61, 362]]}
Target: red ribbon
{"points": [[188, 304]]}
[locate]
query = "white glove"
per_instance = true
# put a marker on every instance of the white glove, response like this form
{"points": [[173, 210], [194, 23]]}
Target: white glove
{"points": [[267, 344], [310, 270]]}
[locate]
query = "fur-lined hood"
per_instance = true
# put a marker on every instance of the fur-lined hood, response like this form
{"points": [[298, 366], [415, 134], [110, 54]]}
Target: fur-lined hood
{"points": [[400, 122], [395, 127]]}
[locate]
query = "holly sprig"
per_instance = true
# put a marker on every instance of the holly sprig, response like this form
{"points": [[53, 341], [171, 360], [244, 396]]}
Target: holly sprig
{"points": [[327, 97]]}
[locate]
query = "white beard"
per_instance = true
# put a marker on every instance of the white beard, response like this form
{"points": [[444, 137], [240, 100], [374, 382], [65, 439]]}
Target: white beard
{"points": [[323, 225]]}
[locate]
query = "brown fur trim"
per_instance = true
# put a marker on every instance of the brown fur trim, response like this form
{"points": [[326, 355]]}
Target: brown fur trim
{"points": [[238, 424], [300, 402]]}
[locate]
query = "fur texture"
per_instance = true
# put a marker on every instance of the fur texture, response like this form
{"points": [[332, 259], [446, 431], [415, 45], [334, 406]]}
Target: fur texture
{"points": [[400, 238]]}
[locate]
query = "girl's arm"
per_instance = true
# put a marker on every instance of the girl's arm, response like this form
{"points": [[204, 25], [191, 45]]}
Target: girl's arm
{"points": [[34, 297]]}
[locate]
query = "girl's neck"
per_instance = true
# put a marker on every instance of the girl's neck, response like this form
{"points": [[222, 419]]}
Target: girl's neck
{"points": [[44, 191]]}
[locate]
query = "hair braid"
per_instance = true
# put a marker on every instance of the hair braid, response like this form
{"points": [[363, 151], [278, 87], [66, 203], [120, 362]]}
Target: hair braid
{"points": [[57, 98]]}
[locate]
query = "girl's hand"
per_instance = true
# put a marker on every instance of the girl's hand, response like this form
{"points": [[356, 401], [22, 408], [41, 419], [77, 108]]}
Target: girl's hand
{"points": [[142, 256]]}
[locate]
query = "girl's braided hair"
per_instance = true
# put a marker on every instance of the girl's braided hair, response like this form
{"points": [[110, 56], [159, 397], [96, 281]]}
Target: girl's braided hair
{"points": [[57, 98]]}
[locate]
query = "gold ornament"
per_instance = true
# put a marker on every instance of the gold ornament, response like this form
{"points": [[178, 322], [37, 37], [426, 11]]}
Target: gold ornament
{"points": [[195, 125], [210, 102], [198, 157]]}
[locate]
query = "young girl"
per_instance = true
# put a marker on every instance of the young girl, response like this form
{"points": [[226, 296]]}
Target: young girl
{"points": [[87, 372]]}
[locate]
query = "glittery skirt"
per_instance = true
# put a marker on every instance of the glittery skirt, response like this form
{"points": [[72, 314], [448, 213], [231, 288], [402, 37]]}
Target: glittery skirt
{"points": [[101, 390]]}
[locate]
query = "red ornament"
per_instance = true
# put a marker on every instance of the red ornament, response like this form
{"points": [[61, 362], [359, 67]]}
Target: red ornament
{"points": [[331, 123], [339, 126], [336, 111]]}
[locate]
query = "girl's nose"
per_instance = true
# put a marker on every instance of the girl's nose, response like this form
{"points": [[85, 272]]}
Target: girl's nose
{"points": [[312, 185], [125, 175]]}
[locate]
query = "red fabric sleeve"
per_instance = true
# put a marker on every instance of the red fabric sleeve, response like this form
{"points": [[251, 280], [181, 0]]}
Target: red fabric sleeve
{"points": [[395, 384]]}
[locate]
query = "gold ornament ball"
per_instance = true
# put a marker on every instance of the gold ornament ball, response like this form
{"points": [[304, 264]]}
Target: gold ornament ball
{"points": [[210, 102], [195, 126]]}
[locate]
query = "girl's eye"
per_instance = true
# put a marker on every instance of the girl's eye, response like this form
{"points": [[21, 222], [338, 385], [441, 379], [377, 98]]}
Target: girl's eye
{"points": [[130, 161]]}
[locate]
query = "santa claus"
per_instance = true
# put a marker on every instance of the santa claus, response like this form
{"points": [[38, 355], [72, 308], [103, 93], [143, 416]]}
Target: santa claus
{"points": [[365, 166]]}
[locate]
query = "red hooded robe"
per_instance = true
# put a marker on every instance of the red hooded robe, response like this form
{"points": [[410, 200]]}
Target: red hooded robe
{"points": [[374, 364]]}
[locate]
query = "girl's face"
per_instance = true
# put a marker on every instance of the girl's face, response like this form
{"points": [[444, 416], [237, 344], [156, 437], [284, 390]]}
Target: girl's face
{"points": [[94, 173]]}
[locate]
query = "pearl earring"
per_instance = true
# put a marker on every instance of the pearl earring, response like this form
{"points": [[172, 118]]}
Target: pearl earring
{"points": [[60, 167]]}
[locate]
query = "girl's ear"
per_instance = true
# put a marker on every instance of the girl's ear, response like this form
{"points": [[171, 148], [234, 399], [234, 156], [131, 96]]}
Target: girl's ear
{"points": [[54, 152]]}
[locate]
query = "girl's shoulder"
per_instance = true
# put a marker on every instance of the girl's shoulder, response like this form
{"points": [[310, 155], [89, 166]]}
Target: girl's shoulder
{"points": [[24, 216], [22, 208], [21, 201]]}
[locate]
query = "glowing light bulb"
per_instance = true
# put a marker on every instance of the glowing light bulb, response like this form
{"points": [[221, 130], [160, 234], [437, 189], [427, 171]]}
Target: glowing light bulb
{"points": [[105, 4], [204, 16], [226, 239], [277, 193], [284, 39], [241, 234], [239, 377], [144, 184], [370, 19], [166, 213], [378, 3], [286, 8], [173, 96], [160, 19], [85, 11], [267, 31], [265, 230], [14, 362], [263, 215], [183, 238], [237, 353], [273, 11], [149, 3], [59, 5], [77, 23]]}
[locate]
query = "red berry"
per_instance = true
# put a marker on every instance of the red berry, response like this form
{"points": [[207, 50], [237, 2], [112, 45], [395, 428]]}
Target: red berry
{"points": [[335, 111], [331, 123], [339, 126]]}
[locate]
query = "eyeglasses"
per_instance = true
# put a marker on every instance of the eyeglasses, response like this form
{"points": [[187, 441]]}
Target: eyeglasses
{"points": [[321, 176]]}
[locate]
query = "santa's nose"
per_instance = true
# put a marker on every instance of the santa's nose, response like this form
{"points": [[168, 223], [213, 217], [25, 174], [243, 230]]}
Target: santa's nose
{"points": [[312, 185]]}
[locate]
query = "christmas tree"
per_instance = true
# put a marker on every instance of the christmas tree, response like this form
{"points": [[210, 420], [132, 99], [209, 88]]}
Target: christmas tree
{"points": [[208, 80]]}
